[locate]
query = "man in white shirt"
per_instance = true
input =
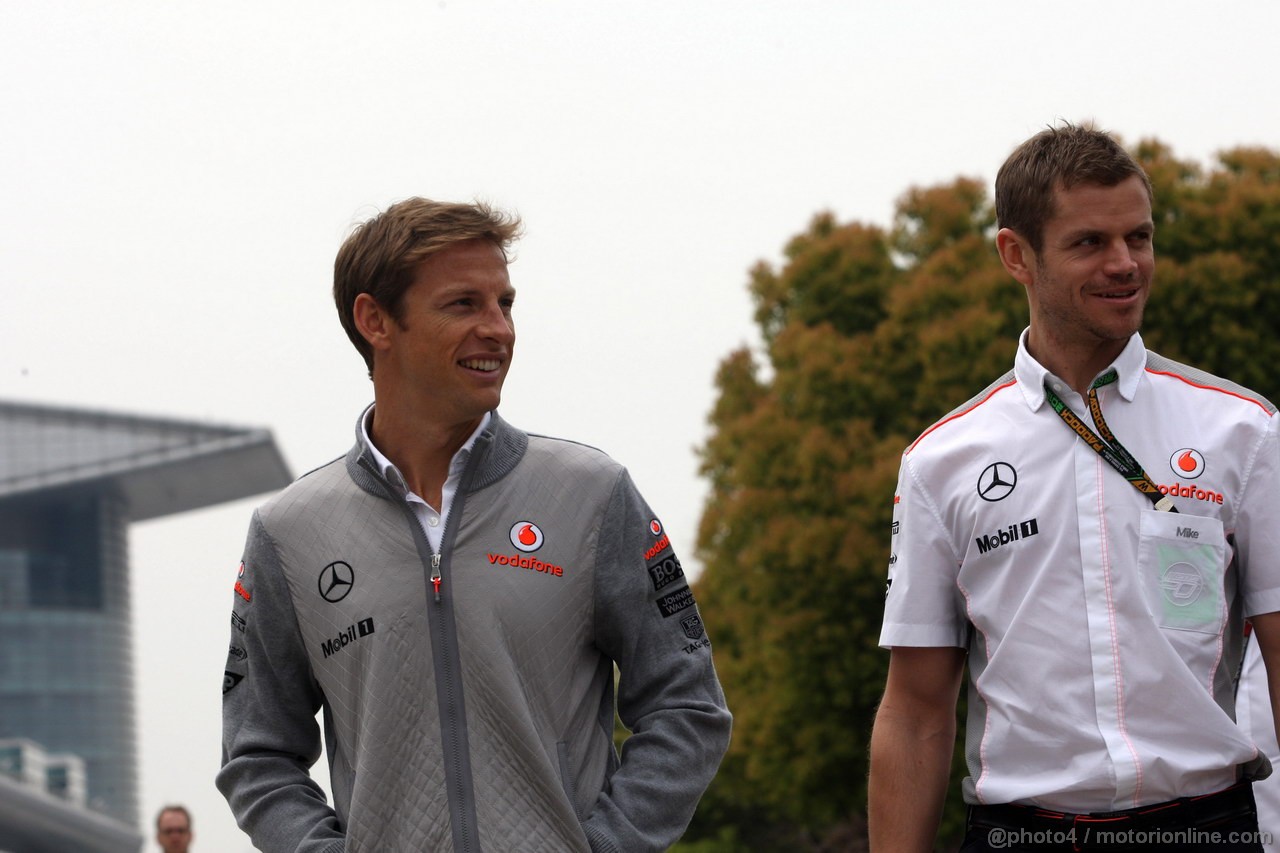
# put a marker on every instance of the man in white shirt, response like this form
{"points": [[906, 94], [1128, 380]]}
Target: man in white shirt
{"points": [[1088, 532]]}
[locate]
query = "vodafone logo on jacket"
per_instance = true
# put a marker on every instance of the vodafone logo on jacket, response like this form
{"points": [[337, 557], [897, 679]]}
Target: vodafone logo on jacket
{"points": [[240, 588], [526, 536]]}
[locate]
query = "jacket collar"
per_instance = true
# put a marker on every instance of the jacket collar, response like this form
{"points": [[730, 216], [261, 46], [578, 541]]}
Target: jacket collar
{"points": [[497, 450]]}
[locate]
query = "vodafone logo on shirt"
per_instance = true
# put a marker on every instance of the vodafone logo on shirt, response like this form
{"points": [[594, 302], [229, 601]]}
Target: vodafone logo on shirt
{"points": [[1187, 462]]}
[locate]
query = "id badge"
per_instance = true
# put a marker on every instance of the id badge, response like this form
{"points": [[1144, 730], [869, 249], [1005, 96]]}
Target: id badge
{"points": [[1183, 558]]}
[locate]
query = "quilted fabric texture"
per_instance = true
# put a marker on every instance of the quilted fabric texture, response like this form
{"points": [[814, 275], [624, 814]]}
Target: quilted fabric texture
{"points": [[481, 720]]}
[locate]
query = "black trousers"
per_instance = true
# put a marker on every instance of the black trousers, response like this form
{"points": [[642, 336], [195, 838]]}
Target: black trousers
{"points": [[1225, 821]]}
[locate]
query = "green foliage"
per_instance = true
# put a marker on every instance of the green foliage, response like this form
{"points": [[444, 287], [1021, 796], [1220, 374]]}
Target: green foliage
{"points": [[869, 336], [1217, 293]]}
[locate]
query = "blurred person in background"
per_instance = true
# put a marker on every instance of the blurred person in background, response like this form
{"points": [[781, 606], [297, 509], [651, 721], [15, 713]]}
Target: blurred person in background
{"points": [[173, 829]]}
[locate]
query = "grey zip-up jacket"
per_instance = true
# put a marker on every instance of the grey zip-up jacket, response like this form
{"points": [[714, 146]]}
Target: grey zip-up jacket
{"points": [[476, 713]]}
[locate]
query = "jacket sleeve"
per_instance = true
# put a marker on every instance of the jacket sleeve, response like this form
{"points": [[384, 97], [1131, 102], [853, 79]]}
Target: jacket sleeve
{"points": [[668, 695], [270, 738]]}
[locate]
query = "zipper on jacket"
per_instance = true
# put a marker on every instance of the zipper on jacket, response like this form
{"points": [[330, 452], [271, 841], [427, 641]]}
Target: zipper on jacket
{"points": [[435, 574]]}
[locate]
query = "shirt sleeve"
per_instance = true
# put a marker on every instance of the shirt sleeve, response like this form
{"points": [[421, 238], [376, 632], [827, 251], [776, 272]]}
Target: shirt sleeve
{"points": [[647, 621], [923, 603], [1257, 534], [270, 738]]}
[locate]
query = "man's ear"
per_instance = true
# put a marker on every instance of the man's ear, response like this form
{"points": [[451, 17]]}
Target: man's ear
{"points": [[372, 321], [1017, 255]]}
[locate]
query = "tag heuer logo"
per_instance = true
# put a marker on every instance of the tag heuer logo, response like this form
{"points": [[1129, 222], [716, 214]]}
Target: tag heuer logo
{"points": [[692, 626]]}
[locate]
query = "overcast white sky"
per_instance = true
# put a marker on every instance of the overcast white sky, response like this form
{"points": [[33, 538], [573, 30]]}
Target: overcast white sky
{"points": [[176, 177]]}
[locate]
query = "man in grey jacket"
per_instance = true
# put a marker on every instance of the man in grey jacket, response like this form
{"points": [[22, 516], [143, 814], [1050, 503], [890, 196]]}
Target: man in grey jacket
{"points": [[454, 595]]}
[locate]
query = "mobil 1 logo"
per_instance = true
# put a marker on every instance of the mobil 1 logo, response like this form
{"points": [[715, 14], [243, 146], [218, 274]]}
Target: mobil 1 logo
{"points": [[1008, 535]]}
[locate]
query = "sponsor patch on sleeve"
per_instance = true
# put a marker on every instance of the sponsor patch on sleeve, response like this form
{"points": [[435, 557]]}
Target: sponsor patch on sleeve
{"points": [[665, 572], [241, 590], [230, 680], [661, 544], [672, 603]]}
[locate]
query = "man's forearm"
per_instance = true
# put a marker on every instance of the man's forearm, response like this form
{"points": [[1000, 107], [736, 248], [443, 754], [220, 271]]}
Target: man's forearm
{"points": [[910, 766]]}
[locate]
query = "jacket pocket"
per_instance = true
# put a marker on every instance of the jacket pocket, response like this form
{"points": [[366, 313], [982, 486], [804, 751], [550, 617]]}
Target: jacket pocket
{"points": [[1182, 559]]}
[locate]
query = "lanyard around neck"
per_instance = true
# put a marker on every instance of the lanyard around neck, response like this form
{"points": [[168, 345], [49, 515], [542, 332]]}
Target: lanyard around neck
{"points": [[1107, 445]]}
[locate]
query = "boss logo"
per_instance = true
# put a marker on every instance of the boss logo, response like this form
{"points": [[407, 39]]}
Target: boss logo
{"points": [[664, 572]]}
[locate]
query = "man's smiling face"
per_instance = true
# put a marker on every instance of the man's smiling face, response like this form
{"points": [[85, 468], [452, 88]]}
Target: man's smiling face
{"points": [[455, 336]]}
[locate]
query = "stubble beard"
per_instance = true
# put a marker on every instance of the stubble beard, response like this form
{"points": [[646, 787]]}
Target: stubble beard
{"points": [[1067, 321]]}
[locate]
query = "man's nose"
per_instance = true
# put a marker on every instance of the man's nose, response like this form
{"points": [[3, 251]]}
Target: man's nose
{"points": [[496, 324], [1120, 260]]}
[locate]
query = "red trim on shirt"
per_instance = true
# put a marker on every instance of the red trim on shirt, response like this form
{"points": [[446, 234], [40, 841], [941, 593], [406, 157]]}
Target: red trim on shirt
{"points": [[1208, 388], [959, 414]]}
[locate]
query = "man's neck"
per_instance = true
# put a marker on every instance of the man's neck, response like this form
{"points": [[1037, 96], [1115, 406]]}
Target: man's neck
{"points": [[1077, 363], [421, 447]]}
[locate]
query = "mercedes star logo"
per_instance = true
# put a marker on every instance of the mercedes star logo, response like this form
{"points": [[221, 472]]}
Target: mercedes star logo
{"points": [[997, 481], [336, 580]]}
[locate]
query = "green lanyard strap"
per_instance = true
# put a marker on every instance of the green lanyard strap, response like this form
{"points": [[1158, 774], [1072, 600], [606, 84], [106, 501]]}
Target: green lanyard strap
{"points": [[1107, 445]]}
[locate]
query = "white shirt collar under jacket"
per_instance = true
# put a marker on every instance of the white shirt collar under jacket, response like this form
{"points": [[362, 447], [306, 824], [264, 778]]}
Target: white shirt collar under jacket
{"points": [[431, 519]]}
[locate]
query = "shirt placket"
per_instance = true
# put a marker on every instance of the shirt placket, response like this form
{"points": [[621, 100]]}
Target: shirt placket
{"points": [[1099, 575]]}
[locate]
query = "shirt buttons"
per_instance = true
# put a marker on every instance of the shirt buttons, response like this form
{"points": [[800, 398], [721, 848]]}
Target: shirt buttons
{"points": [[433, 520]]}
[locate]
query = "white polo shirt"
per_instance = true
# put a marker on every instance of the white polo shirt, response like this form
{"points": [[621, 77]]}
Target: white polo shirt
{"points": [[1103, 635]]}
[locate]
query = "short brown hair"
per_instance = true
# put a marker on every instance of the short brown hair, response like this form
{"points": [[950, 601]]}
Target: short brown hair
{"points": [[173, 808], [381, 254], [1063, 156]]}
